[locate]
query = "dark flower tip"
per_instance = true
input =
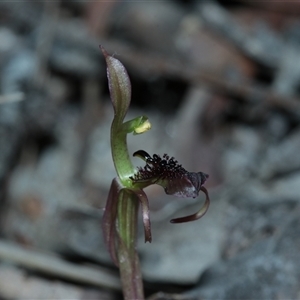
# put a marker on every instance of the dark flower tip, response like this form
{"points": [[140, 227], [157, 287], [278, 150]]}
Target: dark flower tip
{"points": [[176, 181]]}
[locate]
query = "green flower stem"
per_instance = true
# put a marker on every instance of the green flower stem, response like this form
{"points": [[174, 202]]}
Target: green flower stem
{"points": [[129, 265], [121, 158], [128, 205], [123, 165]]}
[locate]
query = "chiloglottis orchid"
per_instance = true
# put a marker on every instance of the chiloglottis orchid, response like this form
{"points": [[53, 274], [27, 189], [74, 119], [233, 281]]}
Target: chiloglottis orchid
{"points": [[126, 191]]}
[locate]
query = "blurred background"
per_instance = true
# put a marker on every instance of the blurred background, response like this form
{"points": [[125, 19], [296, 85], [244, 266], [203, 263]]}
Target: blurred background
{"points": [[220, 83]]}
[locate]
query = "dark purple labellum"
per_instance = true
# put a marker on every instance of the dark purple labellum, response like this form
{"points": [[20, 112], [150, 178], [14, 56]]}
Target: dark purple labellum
{"points": [[176, 181], [166, 171]]}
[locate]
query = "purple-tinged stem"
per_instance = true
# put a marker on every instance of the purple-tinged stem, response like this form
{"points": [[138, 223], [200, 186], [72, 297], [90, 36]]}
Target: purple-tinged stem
{"points": [[128, 259]]}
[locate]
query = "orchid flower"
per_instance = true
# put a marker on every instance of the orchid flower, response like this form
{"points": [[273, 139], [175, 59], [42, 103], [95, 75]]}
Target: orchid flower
{"points": [[120, 218]]}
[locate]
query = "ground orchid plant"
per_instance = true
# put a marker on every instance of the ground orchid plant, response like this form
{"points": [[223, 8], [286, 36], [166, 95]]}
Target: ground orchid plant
{"points": [[126, 193]]}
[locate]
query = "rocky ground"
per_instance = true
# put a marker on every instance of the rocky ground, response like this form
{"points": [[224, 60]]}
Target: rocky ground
{"points": [[220, 84]]}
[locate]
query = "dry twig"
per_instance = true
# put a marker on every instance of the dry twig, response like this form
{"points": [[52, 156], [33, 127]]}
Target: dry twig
{"points": [[55, 266]]}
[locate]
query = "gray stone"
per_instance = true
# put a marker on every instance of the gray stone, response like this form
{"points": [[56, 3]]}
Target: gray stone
{"points": [[181, 252], [256, 273]]}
